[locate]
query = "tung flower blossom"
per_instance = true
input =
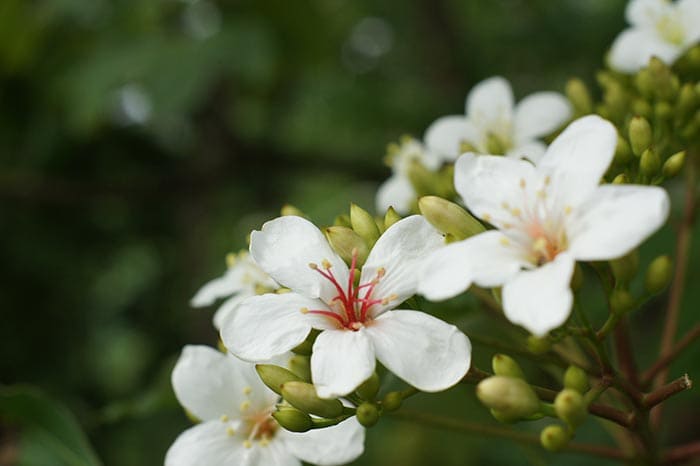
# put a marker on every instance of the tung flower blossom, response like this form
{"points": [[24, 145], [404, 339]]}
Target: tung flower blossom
{"points": [[356, 320], [658, 28], [547, 216], [237, 428], [242, 279], [494, 125]]}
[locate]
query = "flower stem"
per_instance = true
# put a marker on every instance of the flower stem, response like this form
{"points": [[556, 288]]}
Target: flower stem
{"points": [[662, 393], [666, 359], [681, 453]]}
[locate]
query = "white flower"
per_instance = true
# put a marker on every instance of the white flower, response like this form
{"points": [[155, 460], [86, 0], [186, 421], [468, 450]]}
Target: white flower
{"points": [[234, 406], [547, 216], [398, 191], [491, 114], [659, 28], [242, 279], [356, 327]]}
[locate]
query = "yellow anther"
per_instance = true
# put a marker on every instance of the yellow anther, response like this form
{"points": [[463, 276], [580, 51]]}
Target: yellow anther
{"points": [[568, 209], [224, 418], [505, 241], [389, 298], [505, 205], [516, 212], [326, 264], [522, 183], [230, 431], [380, 272], [245, 405], [230, 260], [540, 244], [486, 217], [547, 180], [264, 442], [541, 193], [313, 266], [247, 444], [304, 310], [507, 226], [247, 391]]}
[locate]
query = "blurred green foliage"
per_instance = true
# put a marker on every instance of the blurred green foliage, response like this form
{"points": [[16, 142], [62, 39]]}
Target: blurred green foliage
{"points": [[140, 141]]}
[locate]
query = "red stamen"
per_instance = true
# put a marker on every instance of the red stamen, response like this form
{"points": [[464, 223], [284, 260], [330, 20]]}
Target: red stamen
{"points": [[330, 314]]}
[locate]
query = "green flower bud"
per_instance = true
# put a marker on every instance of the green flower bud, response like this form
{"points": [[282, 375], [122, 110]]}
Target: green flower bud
{"points": [[392, 401], [621, 301], [576, 378], [645, 83], [640, 135], [506, 366], [650, 163], [369, 388], [391, 217], [367, 414], [274, 376], [625, 268], [305, 347], [303, 396], [570, 407], [364, 225], [579, 96], [448, 217], [538, 345], [289, 209], [494, 145], [623, 152], [423, 180], [687, 99], [577, 278], [193, 419], [642, 108], [502, 417], [554, 437], [663, 110], [658, 274], [673, 165], [292, 419], [342, 220], [665, 84], [620, 179], [466, 146], [301, 366], [347, 243], [513, 397]]}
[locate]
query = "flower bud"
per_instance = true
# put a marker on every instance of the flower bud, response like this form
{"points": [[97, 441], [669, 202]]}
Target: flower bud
{"points": [[625, 268], [554, 437], [650, 163], [665, 84], [301, 366], [391, 217], [364, 225], [292, 419], [538, 345], [303, 396], [640, 135], [642, 108], [305, 347], [289, 209], [658, 274], [512, 397], [369, 388], [620, 179], [392, 401], [466, 146], [502, 417], [623, 152], [342, 220], [346, 243], [663, 110], [422, 179], [367, 414], [579, 96], [621, 301], [506, 366], [274, 376], [570, 407], [687, 99], [577, 278], [576, 378], [673, 165], [645, 83], [448, 217]]}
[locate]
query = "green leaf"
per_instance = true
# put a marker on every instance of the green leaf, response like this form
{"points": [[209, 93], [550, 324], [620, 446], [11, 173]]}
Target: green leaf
{"points": [[48, 429]]}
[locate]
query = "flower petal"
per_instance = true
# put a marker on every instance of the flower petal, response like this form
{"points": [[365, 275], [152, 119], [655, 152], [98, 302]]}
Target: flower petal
{"points": [[424, 351], [226, 309], [540, 299], [530, 150], [286, 246], [396, 192], [490, 103], [268, 325], [220, 287], [275, 453], [540, 114], [339, 444], [446, 134], [207, 443], [616, 219], [578, 158], [209, 384], [400, 251], [646, 12], [633, 48], [341, 361], [488, 259], [689, 13]]}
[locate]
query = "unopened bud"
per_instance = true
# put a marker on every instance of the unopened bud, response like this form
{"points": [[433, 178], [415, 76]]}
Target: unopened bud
{"points": [[303, 396], [423, 180], [367, 414], [305, 347], [391, 217], [301, 366], [289, 209], [663, 110], [623, 152], [538, 345], [658, 274], [364, 225], [650, 163], [511, 396], [506, 366], [645, 83], [274, 376], [673, 165], [621, 301], [570, 407], [448, 217], [576, 378], [392, 401], [369, 388], [687, 99], [554, 437], [342, 220], [292, 419], [665, 83], [625, 268], [347, 243], [579, 96], [640, 135], [503, 417], [620, 179], [642, 107]]}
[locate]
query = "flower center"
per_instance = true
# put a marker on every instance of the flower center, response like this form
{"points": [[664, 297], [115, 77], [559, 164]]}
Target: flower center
{"points": [[350, 307], [254, 426], [670, 28]]}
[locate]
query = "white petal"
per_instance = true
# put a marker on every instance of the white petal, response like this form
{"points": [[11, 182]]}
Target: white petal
{"points": [[396, 192], [633, 48], [275, 453], [646, 12], [616, 219], [338, 444], [341, 361], [490, 104], [530, 150], [268, 325], [577, 159], [220, 287], [540, 299], [284, 249], [446, 134], [207, 444], [400, 251], [210, 384], [226, 309], [689, 12], [486, 182], [424, 351], [488, 259], [540, 114]]}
